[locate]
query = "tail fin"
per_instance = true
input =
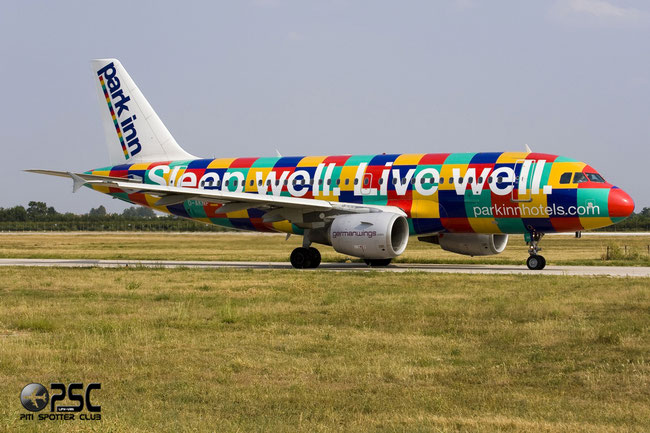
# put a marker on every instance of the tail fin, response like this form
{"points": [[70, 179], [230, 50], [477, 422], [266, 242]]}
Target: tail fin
{"points": [[134, 132]]}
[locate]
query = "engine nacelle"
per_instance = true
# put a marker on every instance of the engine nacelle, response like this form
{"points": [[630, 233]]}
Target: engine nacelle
{"points": [[470, 244], [381, 235]]}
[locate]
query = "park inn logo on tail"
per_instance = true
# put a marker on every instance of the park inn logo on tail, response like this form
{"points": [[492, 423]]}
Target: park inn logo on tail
{"points": [[117, 101]]}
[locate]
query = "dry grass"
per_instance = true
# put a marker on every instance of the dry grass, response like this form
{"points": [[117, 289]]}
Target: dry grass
{"points": [[265, 247], [244, 350]]}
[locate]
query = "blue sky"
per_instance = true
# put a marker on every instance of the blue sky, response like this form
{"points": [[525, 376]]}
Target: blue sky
{"points": [[569, 77]]}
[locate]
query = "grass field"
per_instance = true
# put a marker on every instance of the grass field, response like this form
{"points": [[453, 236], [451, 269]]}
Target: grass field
{"points": [[251, 350], [558, 250]]}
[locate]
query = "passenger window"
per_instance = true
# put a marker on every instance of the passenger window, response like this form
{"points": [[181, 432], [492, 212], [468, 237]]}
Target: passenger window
{"points": [[565, 178], [320, 181], [347, 181], [286, 182], [442, 180], [460, 180], [329, 181], [470, 180], [480, 179], [394, 181], [579, 177], [451, 180], [490, 179], [356, 181], [366, 181], [381, 181], [338, 182]]}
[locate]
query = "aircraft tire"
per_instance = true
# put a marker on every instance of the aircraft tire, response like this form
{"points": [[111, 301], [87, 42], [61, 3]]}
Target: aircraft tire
{"points": [[377, 262], [300, 258], [536, 262], [314, 257]]}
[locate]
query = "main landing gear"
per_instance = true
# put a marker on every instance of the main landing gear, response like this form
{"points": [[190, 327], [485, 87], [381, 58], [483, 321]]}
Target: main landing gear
{"points": [[305, 257], [535, 261], [377, 262]]}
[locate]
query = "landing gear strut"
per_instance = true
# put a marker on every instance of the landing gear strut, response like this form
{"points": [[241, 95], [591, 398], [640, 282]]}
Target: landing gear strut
{"points": [[535, 261], [305, 256]]}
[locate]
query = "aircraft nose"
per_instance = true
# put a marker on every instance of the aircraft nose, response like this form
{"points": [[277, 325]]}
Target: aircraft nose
{"points": [[620, 203]]}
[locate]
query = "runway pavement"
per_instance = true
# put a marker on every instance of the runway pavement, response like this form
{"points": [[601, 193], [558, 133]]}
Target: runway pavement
{"points": [[615, 271]]}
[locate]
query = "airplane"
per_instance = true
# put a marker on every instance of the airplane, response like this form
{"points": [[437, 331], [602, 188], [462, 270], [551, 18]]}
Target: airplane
{"points": [[365, 206], [34, 398]]}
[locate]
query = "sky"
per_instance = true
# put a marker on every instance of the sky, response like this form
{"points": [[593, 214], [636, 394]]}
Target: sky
{"points": [[568, 77]]}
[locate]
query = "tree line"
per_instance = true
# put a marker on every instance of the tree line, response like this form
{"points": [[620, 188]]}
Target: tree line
{"points": [[39, 216]]}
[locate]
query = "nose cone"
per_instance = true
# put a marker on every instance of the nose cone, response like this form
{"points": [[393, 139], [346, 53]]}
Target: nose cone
{"points": [[620, 203]]}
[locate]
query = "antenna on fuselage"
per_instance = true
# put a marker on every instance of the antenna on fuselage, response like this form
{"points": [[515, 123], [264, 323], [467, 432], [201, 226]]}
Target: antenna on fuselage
{"points": [[528, 149]]}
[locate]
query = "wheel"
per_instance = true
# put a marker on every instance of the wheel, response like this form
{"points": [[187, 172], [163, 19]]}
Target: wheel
{"points": [[314, 257], [300, 258], [377, 262], [536, 262]]}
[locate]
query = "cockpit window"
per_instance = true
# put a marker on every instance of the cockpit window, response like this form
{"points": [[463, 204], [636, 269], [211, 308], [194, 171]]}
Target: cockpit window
{"points": [[565, 178], [579, 177], [595, 177]]}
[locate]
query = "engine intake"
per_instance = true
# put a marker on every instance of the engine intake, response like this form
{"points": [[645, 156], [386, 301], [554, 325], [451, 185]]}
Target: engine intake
{"points": [[470, 244], [381, 235]]}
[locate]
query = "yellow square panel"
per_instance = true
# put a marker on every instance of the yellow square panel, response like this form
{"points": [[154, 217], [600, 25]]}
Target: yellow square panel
{"points": [[102, 189], [283, 226], [252, 175], [408, 159], [221, 163], [594, 222], [511, 157], [140, 166], [484, 225], [559, 168], [238, 214], [348, 172], [425, 209], [311, 161]]}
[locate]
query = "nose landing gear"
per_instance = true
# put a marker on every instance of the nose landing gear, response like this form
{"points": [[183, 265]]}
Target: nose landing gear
{"points": [[535, 261]]}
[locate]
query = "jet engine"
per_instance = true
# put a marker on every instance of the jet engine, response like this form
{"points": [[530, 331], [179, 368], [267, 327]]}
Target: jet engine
{"points": [[470, 244], [380, 235]]}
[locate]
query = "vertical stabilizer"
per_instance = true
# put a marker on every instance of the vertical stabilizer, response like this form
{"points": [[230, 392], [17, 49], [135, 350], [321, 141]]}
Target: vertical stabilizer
{"points": [[134, 132]]}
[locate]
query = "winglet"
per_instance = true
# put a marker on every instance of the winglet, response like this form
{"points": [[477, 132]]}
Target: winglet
{"points": [[528, 149], [77, 182]]}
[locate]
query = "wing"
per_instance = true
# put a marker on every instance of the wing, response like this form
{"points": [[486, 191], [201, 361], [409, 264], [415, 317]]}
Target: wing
{"points": [[294, 209]]}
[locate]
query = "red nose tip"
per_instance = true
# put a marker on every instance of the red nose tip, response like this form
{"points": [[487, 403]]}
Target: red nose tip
{"points": [[620, 203]]}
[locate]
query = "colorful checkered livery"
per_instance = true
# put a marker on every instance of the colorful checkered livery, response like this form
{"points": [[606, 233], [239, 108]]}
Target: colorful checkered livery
{"points": [[507, 192]]}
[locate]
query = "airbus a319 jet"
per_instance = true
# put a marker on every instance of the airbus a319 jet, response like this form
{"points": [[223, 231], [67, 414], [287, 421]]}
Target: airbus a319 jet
{"points": [[364, 206]]}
